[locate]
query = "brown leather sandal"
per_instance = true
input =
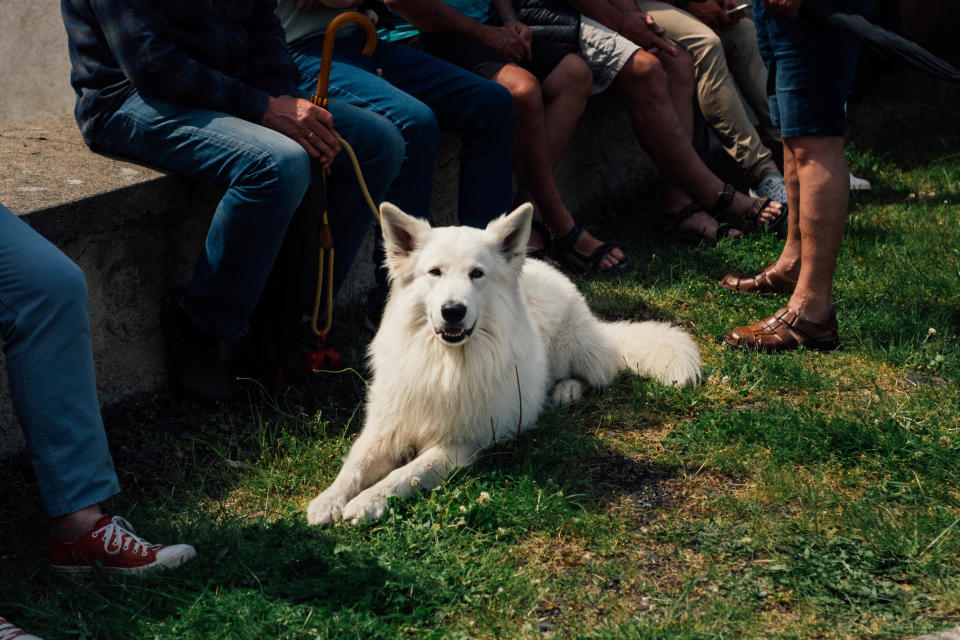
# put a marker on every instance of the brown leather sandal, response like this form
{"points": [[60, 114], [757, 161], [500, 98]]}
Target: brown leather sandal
{"points": [[765, 282], [785, 331]]}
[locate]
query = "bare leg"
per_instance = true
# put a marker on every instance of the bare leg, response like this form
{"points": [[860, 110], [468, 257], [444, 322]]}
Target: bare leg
{"points": [[72, 526], [824, 192], [564, 93], [788, 263], [532, 147], [659, 94], [818, 186], [651, 98]]}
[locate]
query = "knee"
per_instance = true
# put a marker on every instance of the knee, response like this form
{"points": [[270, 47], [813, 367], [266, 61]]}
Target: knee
{"points": [[380, 149], [278, 172], [645, 76], [421, 131], [575, 76], [527, 96], [291, 163], [710, 45], [493, 106], [60, 289]]}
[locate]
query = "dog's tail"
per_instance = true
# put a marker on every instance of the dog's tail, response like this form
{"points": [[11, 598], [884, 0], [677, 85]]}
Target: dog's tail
{"points": [[657, 350]]}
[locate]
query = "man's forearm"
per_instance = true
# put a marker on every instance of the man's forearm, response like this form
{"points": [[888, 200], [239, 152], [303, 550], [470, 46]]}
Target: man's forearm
{"points": [[436, 16], [504, 8]]}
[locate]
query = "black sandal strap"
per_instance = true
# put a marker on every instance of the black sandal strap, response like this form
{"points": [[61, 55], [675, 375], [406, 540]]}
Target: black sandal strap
{"points": [[570, 237], [724, 198], [685, 212]]}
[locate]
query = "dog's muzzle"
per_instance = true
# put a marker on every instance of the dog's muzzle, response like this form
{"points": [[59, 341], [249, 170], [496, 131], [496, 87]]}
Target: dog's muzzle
{"points": [[453, 314], [452, 334]]}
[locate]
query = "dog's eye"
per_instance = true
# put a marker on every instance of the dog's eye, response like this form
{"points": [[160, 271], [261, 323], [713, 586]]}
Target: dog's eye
{"points": [[476, 273], [436, 272]]}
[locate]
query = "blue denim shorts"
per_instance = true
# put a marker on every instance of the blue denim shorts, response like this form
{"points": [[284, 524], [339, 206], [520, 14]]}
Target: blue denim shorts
{"points": [[810, 67]]}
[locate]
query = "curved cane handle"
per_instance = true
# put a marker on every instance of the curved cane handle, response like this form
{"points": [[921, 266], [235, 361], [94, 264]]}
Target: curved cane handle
{"points": [[329, 39]]}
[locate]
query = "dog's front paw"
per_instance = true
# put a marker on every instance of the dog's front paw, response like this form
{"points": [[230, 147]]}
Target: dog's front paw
{"points": [[567, 391], [365, 507], [326, 508]]}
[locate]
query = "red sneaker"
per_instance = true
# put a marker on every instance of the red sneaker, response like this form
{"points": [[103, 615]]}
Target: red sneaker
{"points": [[10, 632], [113, 545]]}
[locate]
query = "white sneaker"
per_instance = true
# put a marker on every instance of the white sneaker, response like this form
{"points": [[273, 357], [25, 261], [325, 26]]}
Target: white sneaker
{"points": [[771, 187], [11, 632], [858, 184]]}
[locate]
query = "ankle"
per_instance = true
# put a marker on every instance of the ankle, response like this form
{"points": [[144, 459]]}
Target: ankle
{"points": [[788, 266], [72, 526], [814, 310]]}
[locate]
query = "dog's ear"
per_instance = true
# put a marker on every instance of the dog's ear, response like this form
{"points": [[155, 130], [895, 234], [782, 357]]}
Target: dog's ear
{"points": [[402, 233], [513, 231]]}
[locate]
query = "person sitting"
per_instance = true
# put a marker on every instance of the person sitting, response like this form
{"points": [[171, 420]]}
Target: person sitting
{"points": [[210, 91], [550, 88], [723, 45], [630, 53], [422, 95], [45, 324]]}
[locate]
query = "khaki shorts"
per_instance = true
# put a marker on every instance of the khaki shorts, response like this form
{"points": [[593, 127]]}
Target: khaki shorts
{"points": [[605, 51]]}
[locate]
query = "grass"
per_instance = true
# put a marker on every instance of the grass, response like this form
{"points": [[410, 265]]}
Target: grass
{"points": [[802, 495]]}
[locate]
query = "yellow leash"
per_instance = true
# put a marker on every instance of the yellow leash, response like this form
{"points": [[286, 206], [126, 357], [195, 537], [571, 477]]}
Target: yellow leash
{"points": [[329, 257], [320, 99]]}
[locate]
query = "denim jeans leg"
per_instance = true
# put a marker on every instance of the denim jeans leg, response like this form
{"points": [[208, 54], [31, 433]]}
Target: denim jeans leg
{"points": [[45, 323], [462, 102], [478, 110], [412, 188], [266, 175], [380, 151]]}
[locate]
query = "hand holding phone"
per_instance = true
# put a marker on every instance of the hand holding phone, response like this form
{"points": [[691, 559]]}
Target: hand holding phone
{"points": [[739, 7]]}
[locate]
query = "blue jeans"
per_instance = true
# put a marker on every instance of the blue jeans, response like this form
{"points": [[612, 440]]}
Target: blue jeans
{"points": [[810, 69], [422, 96], [45, 320], [266, 175]]}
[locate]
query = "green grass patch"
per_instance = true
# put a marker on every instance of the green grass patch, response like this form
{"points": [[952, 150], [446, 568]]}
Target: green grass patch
{"points": [[802, 495]]}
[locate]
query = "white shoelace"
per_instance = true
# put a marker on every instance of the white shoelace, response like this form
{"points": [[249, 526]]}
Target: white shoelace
{"points": [[118, 536]]}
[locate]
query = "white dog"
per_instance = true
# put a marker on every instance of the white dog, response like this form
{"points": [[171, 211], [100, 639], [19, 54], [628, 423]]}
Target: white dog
{"points": [[473, 339]]}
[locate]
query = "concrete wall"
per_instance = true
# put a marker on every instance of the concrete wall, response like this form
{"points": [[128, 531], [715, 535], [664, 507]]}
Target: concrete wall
{"points": [[34, 64], [136, 231]]}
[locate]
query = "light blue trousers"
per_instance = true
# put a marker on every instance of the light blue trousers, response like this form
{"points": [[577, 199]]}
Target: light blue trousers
{"points": [[45, 324]]}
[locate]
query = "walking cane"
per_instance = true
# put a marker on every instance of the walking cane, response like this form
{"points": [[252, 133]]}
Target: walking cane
{"points": [[325, 357]]}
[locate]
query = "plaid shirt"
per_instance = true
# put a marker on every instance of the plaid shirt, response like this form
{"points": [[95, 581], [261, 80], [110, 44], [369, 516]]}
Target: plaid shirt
{"points": [[223, 55]]}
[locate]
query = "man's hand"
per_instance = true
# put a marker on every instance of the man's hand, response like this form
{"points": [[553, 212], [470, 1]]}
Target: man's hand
{"points": [[524, 32], [643, 30], [304, 122], [509, 40], [789, 8], [713, 13]]}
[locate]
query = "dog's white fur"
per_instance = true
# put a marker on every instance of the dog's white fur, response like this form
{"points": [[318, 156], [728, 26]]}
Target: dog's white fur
{"points": [[447, 384]]}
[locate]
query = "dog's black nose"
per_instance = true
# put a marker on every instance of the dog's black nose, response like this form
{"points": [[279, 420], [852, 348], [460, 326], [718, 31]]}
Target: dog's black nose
{"points": [[453, 311]]}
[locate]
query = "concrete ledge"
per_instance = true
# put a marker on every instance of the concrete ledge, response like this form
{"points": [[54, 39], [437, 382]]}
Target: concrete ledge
{"points": [[136, 231], [949, 634]]}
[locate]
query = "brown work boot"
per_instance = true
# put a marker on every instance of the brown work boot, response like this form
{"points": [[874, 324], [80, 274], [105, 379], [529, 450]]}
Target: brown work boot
{"points": [[766, 281], [785, 331]]}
